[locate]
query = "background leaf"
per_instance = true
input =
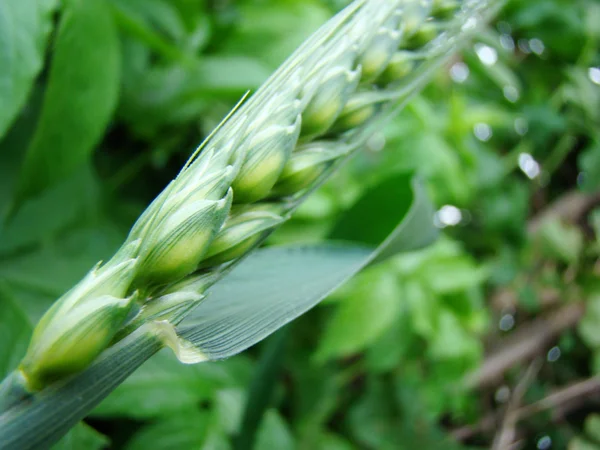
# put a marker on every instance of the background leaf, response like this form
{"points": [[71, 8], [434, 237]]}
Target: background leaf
{"points": [[24, 27], [80, 97]]}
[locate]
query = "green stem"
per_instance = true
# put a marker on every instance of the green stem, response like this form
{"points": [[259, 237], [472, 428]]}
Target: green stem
{"points": [[261, 389], [559, 153]]}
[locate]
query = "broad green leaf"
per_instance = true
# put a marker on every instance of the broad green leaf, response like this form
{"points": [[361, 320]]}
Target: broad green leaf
{"points": [[81, 437], [12, 147], [57, 266], [451, 340], [216, 440], [595, 222], [430, 154], [274, 30], [176, 94], [227, 75], [371, 218], [590, 323], [80, 96], [363, 316], [423, 308], [378, 420], [589, 164], [445, 275], [183, 431], [580, 443], [592, 427], [24, 27], [390, 348], [274, 433], [330, 441], [40, 218], [561, 241], [160, 14]]}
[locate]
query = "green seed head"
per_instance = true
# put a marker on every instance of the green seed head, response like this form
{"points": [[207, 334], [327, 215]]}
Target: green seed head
{"points": [[414, 14], [266, 156], [328, 102], [444, 9], [179, 242], [199, 182], [401, 64], [241, 231], [376, 57], [306, 165], [426, 33], [68, 346], [80, 324], [357, 112]]}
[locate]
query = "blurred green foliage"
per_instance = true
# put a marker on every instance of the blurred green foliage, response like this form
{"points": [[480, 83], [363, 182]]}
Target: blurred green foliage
{"points": [[102, 102]]}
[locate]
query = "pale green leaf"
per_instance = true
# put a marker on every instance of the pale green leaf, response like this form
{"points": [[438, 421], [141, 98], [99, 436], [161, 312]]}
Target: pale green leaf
{"points": [[229, 408], [80, 97]]}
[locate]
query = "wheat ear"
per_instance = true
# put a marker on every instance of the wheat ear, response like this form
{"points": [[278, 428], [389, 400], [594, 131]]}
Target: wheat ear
{"points": [[250, 174]]}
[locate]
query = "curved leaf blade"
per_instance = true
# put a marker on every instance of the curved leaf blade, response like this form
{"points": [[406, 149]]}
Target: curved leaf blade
{"points": [[271, 288]]}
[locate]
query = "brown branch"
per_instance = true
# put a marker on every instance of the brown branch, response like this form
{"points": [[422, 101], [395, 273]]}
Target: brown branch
{"points": [[505, 437], [524, 344], [567, 399], [569, 207]]}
